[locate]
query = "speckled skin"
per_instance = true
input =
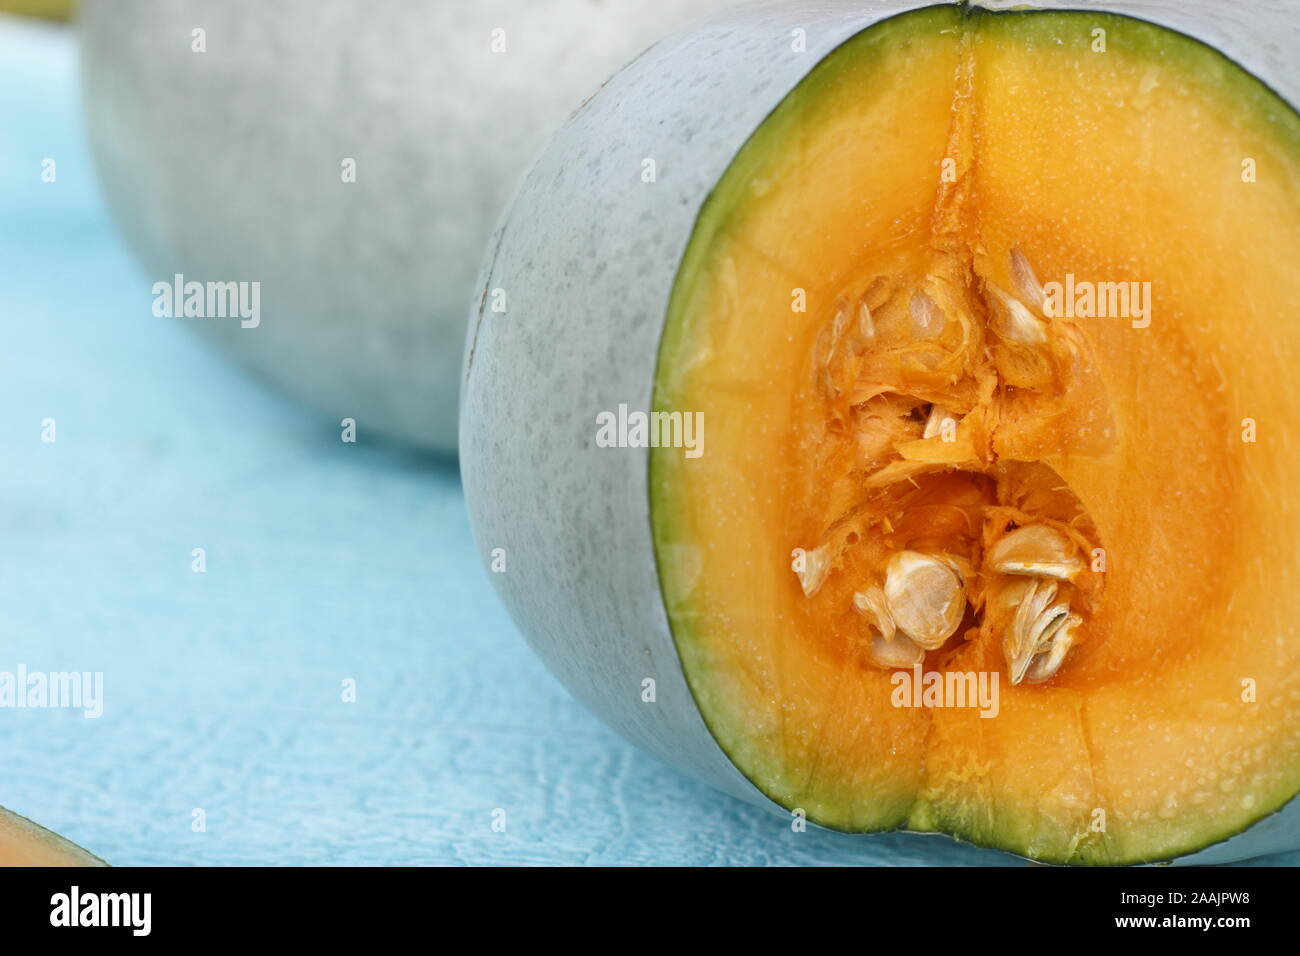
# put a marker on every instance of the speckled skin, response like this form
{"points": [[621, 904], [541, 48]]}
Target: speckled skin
{"points": [[226, 165], [587, 255]]}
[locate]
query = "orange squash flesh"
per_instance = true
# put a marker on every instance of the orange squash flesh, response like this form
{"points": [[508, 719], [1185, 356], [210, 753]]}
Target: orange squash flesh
{"points": [[927, 150]]}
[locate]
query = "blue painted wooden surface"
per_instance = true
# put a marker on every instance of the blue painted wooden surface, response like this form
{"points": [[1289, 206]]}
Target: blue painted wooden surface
{"points": [[325, 562]]}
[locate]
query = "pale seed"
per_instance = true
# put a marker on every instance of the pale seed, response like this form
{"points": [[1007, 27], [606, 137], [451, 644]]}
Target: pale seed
{"points": [[1047, 662], [1031, 599], [900, 652], [871, 605], [1027, 284], [1039, 635], [837, 328], [888, 648], [816, 565], [934, 423], [828, 343], [926, 597], [928, 320], [866, 325], [1038, 550], [1014, 321]]}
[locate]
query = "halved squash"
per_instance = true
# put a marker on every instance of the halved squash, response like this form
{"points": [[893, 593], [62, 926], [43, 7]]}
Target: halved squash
{"points": [[993, 532]]}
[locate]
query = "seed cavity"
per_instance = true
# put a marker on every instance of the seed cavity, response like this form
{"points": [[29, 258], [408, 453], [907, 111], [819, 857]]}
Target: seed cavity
{"points": [[965, 531]]}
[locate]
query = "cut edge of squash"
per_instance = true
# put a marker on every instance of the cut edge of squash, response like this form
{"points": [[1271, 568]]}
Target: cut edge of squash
{"points": [[804, 720]]}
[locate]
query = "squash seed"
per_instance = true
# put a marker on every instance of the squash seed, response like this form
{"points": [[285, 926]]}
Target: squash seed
{"points": [[1047, 662], [1040, 633], [816, 565], [1012, 320], [1037, 549], [926, 597], [928, 320], [888, 648], [838, 325], [1027, 284], [934, 423], [871, 605], [898, 653], [866, 325]]}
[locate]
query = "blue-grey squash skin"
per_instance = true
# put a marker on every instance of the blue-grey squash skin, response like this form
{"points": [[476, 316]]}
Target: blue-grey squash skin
{"points": [[226, 165], [586, 255]]}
